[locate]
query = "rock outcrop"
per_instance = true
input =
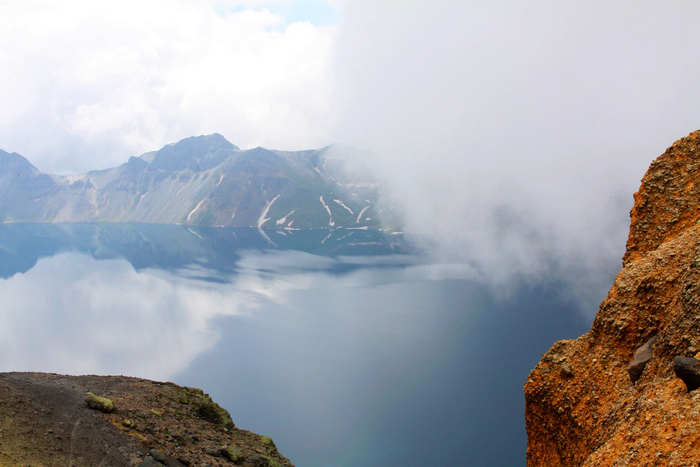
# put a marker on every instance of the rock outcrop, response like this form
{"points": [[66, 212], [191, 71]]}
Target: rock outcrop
{"points": [[57, 420], [582, 407], [641, 358], [688, 369]]}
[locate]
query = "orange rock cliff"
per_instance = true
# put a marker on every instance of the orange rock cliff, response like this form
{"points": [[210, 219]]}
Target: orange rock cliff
{"points": [[582, 407]]}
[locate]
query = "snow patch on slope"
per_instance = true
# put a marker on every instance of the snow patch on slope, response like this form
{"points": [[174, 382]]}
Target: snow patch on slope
{"points": [[262, 219], [189, 216], [343, 205], [140, 199], [284, 219], [361, 212], [330, 222]]}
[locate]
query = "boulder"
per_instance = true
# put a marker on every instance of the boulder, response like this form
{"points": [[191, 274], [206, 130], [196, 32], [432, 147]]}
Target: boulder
{"points": [[211, 411], [688, 369], [567, 370], [641, 358], [99, 403], [233, 454]]}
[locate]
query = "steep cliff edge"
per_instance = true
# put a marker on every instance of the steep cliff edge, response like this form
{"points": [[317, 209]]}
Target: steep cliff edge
{"points": [[582, 407]]}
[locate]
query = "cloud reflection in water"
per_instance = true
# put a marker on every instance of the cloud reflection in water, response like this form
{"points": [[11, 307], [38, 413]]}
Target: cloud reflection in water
{"points": [[350, 359], [75, 314]]}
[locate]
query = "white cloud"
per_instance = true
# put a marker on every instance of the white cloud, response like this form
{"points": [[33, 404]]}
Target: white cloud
{"points": [[512, 130], [517, 132], [87, 85], [245, 3]]}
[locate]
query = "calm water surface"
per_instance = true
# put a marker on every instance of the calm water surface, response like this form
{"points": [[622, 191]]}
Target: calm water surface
{"points": [[346, 347]]}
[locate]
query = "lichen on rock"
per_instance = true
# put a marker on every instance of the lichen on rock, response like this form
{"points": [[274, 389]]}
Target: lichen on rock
{"points": [[102, 404]]}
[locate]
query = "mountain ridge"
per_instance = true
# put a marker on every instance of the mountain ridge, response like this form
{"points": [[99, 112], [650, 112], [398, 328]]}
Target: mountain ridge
{"points": [[204, 181]]}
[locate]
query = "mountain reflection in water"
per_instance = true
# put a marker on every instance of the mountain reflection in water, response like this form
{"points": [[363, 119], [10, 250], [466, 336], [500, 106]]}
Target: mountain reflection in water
{"points": [[347, 347]]}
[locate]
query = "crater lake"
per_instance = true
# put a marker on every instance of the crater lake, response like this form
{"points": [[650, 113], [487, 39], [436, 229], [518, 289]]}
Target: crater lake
{"points": [[347, 347]]}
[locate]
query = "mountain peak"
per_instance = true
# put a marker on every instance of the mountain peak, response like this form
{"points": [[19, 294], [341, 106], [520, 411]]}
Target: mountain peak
{"points": [[13, 162], [203, 180], [196, 153]]}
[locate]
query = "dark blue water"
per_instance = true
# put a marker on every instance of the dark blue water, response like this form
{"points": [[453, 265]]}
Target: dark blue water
{"points": [[349, 349]]}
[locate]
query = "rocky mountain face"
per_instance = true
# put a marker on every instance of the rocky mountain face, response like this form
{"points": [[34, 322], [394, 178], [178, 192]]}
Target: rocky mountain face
{"points": [[587, 402], [204, 181]]}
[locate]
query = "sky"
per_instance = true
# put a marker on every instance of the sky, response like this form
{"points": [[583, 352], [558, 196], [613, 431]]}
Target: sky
{"points": [[514, 133]]}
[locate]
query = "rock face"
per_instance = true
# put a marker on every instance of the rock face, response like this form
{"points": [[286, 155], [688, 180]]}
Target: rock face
{"points": [[203, 181], [595, 415]]}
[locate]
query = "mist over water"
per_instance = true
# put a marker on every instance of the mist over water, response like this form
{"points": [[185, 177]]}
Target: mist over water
{"points": [[355, 359], [512, 134], [516, 134]]}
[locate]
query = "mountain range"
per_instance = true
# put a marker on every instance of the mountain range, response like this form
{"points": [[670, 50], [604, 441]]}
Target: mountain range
{"points": [[203, 181]]}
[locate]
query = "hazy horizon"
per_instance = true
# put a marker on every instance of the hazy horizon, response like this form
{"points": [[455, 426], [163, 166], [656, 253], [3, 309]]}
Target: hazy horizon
{"points": [[515, 134]]}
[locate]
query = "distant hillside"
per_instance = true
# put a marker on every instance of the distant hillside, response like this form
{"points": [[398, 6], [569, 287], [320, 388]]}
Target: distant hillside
{"points": [[204, 181]]}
